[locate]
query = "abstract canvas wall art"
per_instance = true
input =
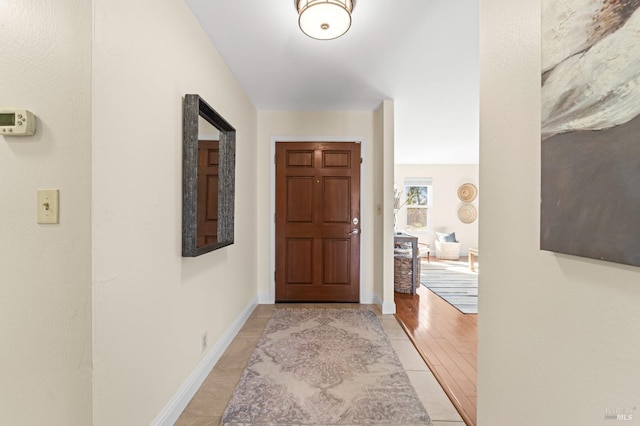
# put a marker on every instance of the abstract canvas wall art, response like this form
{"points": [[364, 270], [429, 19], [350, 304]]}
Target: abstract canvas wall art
{"points": [[591, 129]]}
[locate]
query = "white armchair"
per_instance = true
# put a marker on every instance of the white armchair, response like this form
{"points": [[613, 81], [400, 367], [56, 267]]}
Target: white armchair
{"points": [[447, 251], [447, 246]]}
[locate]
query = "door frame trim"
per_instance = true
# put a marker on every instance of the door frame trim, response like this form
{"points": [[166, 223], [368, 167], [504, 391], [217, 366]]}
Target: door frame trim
{"points": [[364, 213]]}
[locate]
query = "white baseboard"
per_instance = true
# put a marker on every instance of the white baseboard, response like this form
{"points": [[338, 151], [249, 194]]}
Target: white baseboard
{"points": [[177, 404], [388, 308], [265, 299], [370, 299]]}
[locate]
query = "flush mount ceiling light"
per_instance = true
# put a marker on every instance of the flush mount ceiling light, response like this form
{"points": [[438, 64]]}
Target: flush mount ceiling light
{"points": [[324, 19]]}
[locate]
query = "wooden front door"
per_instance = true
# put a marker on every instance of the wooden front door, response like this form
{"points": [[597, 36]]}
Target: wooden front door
{"points": [[208, 156], [317, 221]]}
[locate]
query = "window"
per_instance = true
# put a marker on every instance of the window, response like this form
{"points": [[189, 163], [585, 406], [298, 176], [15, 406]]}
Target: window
{"points": [[418, 200]]}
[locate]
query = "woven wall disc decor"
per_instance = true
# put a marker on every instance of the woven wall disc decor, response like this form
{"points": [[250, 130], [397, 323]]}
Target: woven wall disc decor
{"points": [[467, 213], [467, 192]]}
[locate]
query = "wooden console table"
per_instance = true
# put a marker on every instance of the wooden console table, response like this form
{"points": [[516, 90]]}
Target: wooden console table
{"points": [[401, 237], [473, 252]]}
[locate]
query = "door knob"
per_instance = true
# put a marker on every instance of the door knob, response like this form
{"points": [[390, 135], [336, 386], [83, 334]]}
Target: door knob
{"points": [[354, 232]]}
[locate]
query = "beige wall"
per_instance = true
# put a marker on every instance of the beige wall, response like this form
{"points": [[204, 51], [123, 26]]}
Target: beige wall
{"points": [[559, 335], [151, 306], [283, 125], [45, 270], [445, 202]]}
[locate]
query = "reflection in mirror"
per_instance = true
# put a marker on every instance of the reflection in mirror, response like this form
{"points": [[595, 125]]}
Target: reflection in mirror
{"points": [[208, 166], [208, 185], [206, 131]]}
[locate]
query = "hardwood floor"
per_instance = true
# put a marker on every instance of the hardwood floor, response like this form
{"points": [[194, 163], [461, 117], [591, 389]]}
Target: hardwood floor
{"points": [[447, 340]]}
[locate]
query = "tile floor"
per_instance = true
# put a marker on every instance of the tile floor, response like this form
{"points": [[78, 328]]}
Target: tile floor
{"points": [[208, 404]]}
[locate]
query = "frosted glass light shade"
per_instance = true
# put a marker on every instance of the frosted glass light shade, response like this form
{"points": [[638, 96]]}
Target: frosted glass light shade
{"points": [[324, 19]]}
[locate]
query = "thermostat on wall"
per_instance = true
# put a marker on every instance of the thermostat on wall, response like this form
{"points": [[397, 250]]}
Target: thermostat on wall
{"points": [[17, 122]]}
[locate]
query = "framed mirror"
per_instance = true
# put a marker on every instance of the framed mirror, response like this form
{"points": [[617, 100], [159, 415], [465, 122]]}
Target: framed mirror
{"points": [[208, 178]]}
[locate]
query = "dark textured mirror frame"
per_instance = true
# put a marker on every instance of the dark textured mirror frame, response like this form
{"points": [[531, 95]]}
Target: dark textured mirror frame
{"points": [[193, 107]]}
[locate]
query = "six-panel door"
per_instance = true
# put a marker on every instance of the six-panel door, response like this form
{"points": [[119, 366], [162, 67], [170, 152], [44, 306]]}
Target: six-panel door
{"points": [[317, 221]]}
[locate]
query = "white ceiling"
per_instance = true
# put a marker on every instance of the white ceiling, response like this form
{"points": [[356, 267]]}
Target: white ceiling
{"points": [[423, 54]]}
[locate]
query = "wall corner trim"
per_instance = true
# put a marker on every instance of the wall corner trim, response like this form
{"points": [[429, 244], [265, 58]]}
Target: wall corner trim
{"points": [[388, 308]]}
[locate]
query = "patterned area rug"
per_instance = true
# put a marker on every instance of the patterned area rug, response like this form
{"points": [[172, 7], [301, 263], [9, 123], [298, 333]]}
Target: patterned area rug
{"points": [[324, 367], [454, 282]]}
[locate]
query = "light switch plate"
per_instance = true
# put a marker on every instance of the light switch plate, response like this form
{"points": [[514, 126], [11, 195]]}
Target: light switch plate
{"points": [[48, 206]]}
